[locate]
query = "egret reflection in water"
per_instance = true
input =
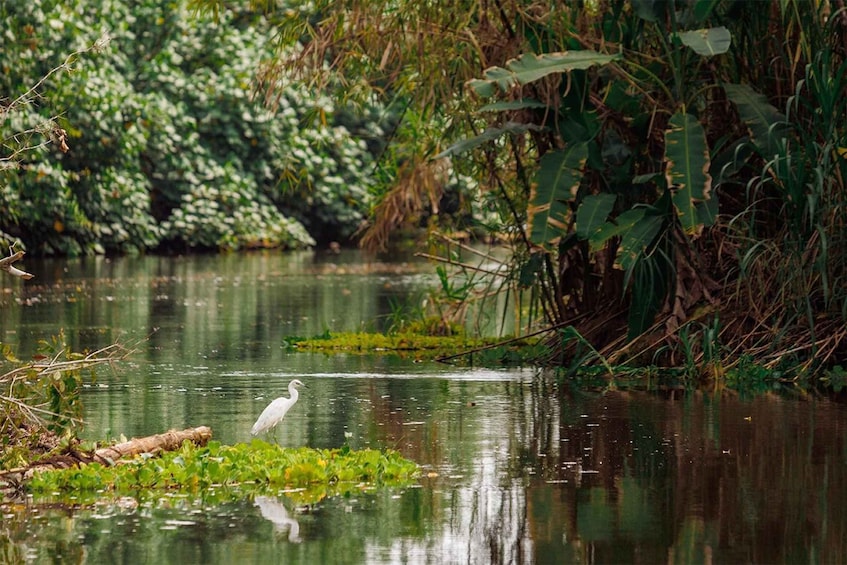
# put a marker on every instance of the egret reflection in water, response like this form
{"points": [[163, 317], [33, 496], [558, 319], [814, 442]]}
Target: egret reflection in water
{"points": [[274, 511]]}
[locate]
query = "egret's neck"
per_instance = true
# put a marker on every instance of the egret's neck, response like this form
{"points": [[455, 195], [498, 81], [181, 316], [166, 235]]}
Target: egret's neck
{"points": [[293, 392]]}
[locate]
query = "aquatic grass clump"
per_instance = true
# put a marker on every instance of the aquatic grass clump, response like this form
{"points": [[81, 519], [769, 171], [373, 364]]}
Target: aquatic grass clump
{"points": [[254, 468], [483, 351], [399, 342]]}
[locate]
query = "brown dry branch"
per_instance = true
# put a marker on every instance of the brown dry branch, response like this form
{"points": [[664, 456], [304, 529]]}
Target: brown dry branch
{"points": [[19, 143], [168, 441], [6, 265], [418, 184], [111, 455], [35, 370]]}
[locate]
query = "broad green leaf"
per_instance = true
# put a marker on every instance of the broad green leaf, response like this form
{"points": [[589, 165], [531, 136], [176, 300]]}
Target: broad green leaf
{"points": [[637, 229], [687, 168], [592, 213], [638, 239], [489, 134], [707, 42], [556, 183], [619, 226], [494, 77], [530, 67], [767, 124]]}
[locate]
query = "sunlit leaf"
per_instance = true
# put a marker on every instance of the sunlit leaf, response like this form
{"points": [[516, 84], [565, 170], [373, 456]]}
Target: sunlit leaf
{"points": [[707, 42], [530, 67]]}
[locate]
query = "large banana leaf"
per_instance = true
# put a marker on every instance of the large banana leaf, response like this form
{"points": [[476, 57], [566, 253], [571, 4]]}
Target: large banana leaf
{"points": [[637, 228], [687, 169], [556, 183], [767, 124], [638, 240], [490, 134], [530, 67], [592, 213]]}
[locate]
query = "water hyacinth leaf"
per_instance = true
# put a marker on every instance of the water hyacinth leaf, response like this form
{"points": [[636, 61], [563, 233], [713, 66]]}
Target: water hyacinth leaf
{"points": [[707, 42], [687, 168], [767, 125], [592, 213], [556, 184], [490, 134], [530, 67]]}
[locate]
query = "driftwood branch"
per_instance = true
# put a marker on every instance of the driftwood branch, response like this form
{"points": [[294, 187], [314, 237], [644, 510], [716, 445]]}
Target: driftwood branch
{"points": [[111, 455], [6, 265], [36, 369], [168, 441]]}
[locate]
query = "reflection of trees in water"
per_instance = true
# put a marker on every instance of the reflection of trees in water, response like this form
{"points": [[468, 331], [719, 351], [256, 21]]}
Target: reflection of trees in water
{"points": [[686, 479], [474, 438]]}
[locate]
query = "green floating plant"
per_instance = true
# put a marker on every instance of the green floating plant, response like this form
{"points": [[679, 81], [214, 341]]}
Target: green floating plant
{"points": [[254, 468]]}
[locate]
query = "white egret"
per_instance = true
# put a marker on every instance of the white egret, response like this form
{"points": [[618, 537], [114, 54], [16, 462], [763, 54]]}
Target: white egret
{"points": [[276, 410]]}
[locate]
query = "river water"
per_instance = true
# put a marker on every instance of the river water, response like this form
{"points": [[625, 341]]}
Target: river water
{"points": [[518, 466]]}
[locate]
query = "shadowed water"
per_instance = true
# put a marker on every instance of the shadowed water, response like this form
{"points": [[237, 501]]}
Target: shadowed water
{"points": [[516, 467]]}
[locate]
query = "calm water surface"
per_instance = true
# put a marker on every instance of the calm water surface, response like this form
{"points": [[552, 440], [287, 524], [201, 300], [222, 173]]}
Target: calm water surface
{"points": [[518, 468]]}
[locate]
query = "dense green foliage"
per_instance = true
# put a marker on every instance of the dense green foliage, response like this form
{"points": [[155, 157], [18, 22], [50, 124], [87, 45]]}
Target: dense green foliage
{"points": [[168, 144], [670, 174], [255, 468]]}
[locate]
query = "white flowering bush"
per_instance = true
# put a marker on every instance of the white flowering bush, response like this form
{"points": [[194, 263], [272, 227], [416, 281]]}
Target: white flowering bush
{"points": [[169, 144]]}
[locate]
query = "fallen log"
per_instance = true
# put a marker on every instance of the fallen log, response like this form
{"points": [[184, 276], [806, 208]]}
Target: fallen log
{"points": [[167, 441], [111, 455]]}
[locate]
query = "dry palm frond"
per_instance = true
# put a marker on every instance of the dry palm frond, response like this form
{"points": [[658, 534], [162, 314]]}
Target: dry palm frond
{"points": [[419, 184]]}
